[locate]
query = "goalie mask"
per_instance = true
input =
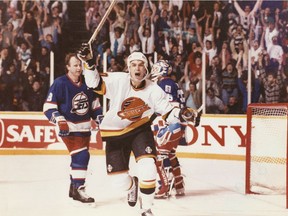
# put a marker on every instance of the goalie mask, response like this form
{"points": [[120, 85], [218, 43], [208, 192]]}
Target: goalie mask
{"points": [[138, 56], [160, 68]]}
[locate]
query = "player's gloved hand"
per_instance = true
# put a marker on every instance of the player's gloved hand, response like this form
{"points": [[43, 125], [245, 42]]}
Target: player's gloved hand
{"points": [[61, 123], [99, 119], [63, 128], [188, 114], [85, 53], [168, 133]]}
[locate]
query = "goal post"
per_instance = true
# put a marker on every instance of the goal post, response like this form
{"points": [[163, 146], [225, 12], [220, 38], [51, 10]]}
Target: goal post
{"points": [[266, 149]]}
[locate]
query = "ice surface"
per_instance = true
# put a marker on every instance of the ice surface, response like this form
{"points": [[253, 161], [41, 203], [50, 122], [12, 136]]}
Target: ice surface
{"points": [[37, 185]]}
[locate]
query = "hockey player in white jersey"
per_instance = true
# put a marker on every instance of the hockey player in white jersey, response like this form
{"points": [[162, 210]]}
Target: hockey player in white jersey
{"points": [[126, 127]]}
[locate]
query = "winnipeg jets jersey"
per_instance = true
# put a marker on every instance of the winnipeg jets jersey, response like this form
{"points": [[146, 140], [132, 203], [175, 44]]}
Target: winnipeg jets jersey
{"points": [[176, 95], [130, 108], [75, 102]]}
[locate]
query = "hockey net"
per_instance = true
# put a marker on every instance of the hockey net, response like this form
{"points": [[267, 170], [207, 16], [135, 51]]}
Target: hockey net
{"points": [[266, 150]]}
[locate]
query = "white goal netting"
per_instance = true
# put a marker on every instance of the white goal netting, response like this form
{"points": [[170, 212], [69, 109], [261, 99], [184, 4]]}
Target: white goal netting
{"points": [[268, 149]]}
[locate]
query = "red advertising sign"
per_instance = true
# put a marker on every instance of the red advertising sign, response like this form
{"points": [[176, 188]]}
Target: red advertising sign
{"points": [[34, 133]]}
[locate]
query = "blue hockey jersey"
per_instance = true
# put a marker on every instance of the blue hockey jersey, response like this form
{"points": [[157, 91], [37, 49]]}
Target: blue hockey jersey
{"points": [[176, 95], [75, 102]]}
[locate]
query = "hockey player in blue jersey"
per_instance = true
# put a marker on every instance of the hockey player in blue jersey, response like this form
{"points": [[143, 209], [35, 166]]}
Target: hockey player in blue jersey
{"points": [[168, 136], [70, 105]]}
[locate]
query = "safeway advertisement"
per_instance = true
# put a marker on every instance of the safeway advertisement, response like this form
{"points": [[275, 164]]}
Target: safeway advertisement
{"points": [[33, 131], [216, 134]]}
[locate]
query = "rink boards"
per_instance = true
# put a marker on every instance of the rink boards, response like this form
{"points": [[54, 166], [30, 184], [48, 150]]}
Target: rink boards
{"points": [[217, 137]]}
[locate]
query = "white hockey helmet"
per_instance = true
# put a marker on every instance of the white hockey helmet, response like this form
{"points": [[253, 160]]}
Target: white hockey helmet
{"points": [[160, 68], [138, 56]]}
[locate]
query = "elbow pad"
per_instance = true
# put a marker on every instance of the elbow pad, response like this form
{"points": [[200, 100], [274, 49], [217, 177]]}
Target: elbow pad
{"points": [[92, 78]]}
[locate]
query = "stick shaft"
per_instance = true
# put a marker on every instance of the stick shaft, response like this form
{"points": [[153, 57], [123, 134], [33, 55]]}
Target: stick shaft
{"points": [[102, 22]]}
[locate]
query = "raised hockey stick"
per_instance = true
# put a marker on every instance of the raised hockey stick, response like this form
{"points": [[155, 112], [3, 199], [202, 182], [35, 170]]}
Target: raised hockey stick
{"points": [[104, 18], [200, 108]]}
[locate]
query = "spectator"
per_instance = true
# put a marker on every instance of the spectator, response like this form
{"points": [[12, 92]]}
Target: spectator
{"points": [[272, 84], [214, 76], [255, 47], [242, 81], [34, 97], [11, 76], [275, 52], [5, 60], [270, 32], [193, 97], [233, 106], [178, 67], [117, 39], [229, 83], [224, 54], [239, 46], [30, 27], [247, 15], [208, 43], [193, 67], [24, 55], [199, 12], [146, 31], [214, 105]]}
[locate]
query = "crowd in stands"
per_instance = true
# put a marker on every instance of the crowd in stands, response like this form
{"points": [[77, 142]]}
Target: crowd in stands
{"points": [[29, 31], [234, 36]]}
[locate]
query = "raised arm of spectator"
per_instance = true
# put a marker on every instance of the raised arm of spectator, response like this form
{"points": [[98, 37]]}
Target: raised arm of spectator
{"points": [[167, 48], [256, 7], [154, 9], [238, 8], [277, 12], [233, 50], [262, 40], [198, 33], [186, 72], [23, 19], [140, 29], [212, 33]]}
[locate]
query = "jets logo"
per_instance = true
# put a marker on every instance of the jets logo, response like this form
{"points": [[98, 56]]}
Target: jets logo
{"points": [[80, 104], [132, 109]]}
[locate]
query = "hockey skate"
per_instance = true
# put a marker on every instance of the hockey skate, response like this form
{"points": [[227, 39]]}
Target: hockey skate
{"points": [[147, 212], [71, 190], [79, 194], [133, 192], [179, 187], [163, 192]]}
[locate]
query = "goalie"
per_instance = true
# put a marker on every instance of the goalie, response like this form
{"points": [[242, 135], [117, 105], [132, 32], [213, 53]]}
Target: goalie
{"points": [[167, 137]]}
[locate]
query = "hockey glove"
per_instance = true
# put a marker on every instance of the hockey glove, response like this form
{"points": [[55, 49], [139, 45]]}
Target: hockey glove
{"points": [[188, 114], [86, 55], [168, 133], [99, 119], [61, 123]]}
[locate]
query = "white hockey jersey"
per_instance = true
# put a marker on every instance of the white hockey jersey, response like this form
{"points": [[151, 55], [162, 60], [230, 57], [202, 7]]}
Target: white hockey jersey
{"points": [[130, 108]]}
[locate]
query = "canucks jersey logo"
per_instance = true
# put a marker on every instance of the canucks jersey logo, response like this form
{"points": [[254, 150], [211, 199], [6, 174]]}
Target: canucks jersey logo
{"points": [[80, 104], [132, 109]]}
